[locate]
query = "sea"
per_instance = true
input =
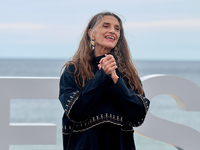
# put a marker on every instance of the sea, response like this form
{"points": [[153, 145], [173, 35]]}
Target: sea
{"points": [[50, 111]]}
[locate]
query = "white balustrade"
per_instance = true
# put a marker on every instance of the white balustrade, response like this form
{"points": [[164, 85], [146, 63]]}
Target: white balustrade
{"points": [[185, 92], [187, 96], [25, 88]]}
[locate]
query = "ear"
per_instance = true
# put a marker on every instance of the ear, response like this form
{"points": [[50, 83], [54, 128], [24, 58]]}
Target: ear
{"points": [[90, 33]]}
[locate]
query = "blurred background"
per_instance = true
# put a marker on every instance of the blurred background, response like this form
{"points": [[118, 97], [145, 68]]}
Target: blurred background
{"points": [[155, 29], [38, 37]]}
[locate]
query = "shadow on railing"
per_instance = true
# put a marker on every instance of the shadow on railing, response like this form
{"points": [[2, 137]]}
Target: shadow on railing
{"points": [[180, 136]]}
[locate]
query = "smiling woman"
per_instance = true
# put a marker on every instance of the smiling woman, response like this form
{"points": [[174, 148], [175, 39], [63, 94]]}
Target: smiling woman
{"points": [[106, 35], [100, 90]]}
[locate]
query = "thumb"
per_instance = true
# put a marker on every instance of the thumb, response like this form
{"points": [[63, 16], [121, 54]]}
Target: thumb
{"points": [[99, 65]]}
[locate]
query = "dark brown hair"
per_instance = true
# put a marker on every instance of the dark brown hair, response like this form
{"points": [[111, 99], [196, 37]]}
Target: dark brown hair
{"points": [[82, 59]]}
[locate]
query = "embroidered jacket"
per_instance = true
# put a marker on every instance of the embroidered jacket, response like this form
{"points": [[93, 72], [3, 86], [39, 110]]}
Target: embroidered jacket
{"points": [[101, 105]]}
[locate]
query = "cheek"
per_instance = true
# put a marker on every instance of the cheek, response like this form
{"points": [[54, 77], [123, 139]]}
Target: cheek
{"points": [[100, 36], [100, 39], [118, 37]]}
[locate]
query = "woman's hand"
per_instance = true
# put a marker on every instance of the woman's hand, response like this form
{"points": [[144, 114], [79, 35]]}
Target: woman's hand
{"points": [[108, 64]]}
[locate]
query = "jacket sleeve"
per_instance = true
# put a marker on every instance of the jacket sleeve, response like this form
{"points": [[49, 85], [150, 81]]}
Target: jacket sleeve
{"points": [[132, 105], [79, 104]]}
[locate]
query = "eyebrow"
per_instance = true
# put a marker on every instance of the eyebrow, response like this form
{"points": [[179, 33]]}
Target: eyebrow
{"points": [[109, 24]]}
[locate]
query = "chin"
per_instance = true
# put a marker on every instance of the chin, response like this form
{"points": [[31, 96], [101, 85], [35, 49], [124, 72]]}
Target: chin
{"points": [[110, 47]]}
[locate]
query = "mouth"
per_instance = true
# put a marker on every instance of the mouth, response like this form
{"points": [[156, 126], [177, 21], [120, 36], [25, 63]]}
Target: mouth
{"points": [[110, 37]]}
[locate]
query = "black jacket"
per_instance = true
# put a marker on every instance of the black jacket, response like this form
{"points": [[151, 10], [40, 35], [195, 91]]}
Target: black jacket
{"points": [[101, 115]]}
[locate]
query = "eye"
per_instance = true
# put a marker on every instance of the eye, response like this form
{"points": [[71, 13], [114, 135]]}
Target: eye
{"points": [[117, 29], [105, 26]]}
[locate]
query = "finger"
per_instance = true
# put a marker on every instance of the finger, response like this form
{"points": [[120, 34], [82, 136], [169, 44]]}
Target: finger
{"points": [[109, 63], [101, 60], [108, 57], [109, 68], [99, 65]]}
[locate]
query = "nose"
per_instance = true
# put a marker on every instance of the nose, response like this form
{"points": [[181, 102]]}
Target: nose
{"points": [[112, 30]]}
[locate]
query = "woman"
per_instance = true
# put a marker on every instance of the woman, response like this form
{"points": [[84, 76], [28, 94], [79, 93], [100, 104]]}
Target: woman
{"points": [[100, 90]]}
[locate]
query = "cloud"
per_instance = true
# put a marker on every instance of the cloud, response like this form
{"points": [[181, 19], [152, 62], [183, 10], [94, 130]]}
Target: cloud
{"points": [[21, 26], [166, 24]]}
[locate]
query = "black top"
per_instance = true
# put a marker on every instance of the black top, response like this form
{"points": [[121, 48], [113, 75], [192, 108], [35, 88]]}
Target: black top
{"points": [[101, 115]]}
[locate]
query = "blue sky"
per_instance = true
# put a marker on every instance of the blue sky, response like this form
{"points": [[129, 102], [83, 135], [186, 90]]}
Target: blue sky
{"points": [[155, 29]]}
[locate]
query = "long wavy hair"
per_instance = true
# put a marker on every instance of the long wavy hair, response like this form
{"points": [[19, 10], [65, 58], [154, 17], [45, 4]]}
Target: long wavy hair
{"points": [[83, 63]]}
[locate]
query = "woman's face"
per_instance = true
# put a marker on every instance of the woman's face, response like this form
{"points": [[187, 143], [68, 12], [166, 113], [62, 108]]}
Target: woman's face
{"points": [[106, 33]]}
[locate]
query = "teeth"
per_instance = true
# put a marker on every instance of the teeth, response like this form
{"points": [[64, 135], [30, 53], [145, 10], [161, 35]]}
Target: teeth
{"points": [[110, 37]]}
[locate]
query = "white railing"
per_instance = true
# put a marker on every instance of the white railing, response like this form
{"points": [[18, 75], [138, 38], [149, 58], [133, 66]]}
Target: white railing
{"points": [[186, 94], [25, 88]]}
